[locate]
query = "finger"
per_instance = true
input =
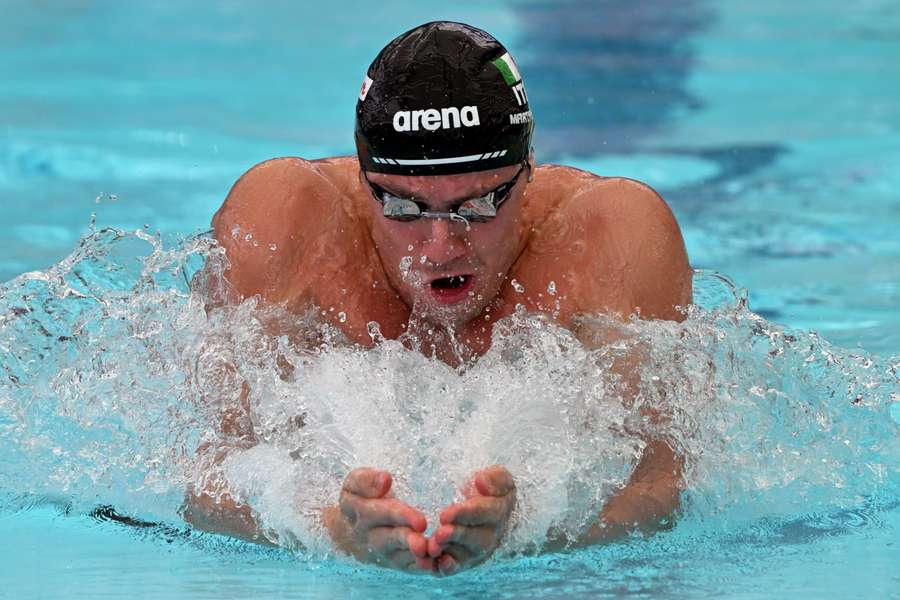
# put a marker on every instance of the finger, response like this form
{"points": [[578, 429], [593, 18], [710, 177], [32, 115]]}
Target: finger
{"points": [[481, 510], [435, 549], [418, 545], [387, 540], [367, 483], [391, 513], [477, 540], [426, 564], [404, 559], [447, 565], [494, 481], [463, 557]]}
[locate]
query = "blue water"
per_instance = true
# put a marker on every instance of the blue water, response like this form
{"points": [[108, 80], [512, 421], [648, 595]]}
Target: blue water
{"points": [[772, 130]]}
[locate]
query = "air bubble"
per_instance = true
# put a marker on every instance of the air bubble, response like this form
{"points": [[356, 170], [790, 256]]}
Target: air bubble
{"points": [[405, 264], [374, 330]]}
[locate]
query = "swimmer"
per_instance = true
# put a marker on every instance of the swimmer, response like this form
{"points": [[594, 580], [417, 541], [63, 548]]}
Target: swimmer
{"points": [[443, 221]]}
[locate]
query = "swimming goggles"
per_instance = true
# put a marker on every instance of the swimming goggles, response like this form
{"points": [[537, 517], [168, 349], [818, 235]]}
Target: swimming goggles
{"points": [[480, 209]]}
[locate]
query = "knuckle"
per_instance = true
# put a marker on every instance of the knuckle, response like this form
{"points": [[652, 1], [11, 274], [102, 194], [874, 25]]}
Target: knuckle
{"points": [[373, 541], [348, 509]]}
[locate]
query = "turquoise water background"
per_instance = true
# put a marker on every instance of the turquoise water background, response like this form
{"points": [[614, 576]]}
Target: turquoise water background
{"points": [[773, 130]]}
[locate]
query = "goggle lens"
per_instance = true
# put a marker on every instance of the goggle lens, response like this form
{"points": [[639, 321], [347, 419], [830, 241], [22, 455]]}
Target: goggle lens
{"points": [[479, 210]]}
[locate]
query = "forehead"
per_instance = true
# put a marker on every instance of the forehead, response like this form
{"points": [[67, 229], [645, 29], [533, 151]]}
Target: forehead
{"points": [[444, 186]]}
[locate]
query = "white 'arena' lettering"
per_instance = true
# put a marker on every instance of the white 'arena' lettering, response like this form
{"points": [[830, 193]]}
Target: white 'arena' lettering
{"points": [[433, 119], [446, 114], [469, 116]]}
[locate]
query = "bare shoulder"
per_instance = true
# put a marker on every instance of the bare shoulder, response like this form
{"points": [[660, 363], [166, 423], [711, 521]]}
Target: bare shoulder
{"points": [[626, 248], [271, 216]]}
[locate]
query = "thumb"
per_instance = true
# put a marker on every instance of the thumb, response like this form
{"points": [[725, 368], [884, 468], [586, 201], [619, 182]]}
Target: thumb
{"points": [[494, 481], [368, 482]]}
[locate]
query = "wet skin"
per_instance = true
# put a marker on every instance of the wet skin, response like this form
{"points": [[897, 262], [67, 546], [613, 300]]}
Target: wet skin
{"points": [[565, 244]]}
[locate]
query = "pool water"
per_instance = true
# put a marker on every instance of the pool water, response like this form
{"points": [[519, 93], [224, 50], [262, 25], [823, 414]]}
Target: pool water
{"points": [[773, 132]]}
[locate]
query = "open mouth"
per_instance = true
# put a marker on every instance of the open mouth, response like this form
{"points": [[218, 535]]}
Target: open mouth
{"points": [[448, 290]]}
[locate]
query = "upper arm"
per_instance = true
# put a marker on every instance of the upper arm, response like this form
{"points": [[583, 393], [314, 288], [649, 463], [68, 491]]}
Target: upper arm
{"points": [[266, 221]]}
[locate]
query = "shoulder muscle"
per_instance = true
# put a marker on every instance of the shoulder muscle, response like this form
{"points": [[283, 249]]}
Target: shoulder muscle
{"points": [[266, 220], [632, 245]]}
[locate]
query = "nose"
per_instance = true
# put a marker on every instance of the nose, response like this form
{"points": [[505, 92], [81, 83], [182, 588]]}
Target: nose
{"points": [[445, 243]]}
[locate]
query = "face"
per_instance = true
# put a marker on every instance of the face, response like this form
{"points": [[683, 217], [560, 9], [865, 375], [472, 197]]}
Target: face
{"points": [[446, 270]]}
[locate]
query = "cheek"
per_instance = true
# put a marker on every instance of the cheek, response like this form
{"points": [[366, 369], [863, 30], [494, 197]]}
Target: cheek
{"points": [[396, 238], [493, 240]]}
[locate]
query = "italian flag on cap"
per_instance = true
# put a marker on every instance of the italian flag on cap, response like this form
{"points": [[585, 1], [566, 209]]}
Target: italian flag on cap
{"points": [[508, 69], [364, 90]]}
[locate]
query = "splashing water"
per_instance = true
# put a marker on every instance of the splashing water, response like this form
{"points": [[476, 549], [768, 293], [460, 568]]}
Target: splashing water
{"points": [[114, 371]]}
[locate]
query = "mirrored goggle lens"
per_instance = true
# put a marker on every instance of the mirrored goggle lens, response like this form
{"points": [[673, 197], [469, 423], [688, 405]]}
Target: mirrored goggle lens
{"points": [[477, 209], [400, 209]]}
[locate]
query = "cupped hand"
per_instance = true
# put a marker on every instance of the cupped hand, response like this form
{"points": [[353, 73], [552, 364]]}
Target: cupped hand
{"points": [[471, 530], [373, 526]]}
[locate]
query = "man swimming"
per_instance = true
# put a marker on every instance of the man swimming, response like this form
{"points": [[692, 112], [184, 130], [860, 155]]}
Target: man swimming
{"points": [[442, 224]]}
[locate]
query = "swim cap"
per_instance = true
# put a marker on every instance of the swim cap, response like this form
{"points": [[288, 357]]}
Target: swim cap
{"points": [[442, 98]]}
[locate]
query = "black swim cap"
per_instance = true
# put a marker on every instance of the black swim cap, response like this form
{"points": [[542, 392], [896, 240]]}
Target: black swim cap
{"points": [[442, 98]]}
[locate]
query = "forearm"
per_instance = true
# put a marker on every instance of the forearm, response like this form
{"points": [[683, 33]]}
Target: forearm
{"points": [[646, 504], [648, 501], [221, 513], [213, 507]]}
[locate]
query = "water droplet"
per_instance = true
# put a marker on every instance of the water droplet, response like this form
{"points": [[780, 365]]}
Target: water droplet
{"points": [[551, 288], [520, 289], [409, 248], [273, 247], [405, 264], [422, 259], [342, 317], [248, 237]]}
